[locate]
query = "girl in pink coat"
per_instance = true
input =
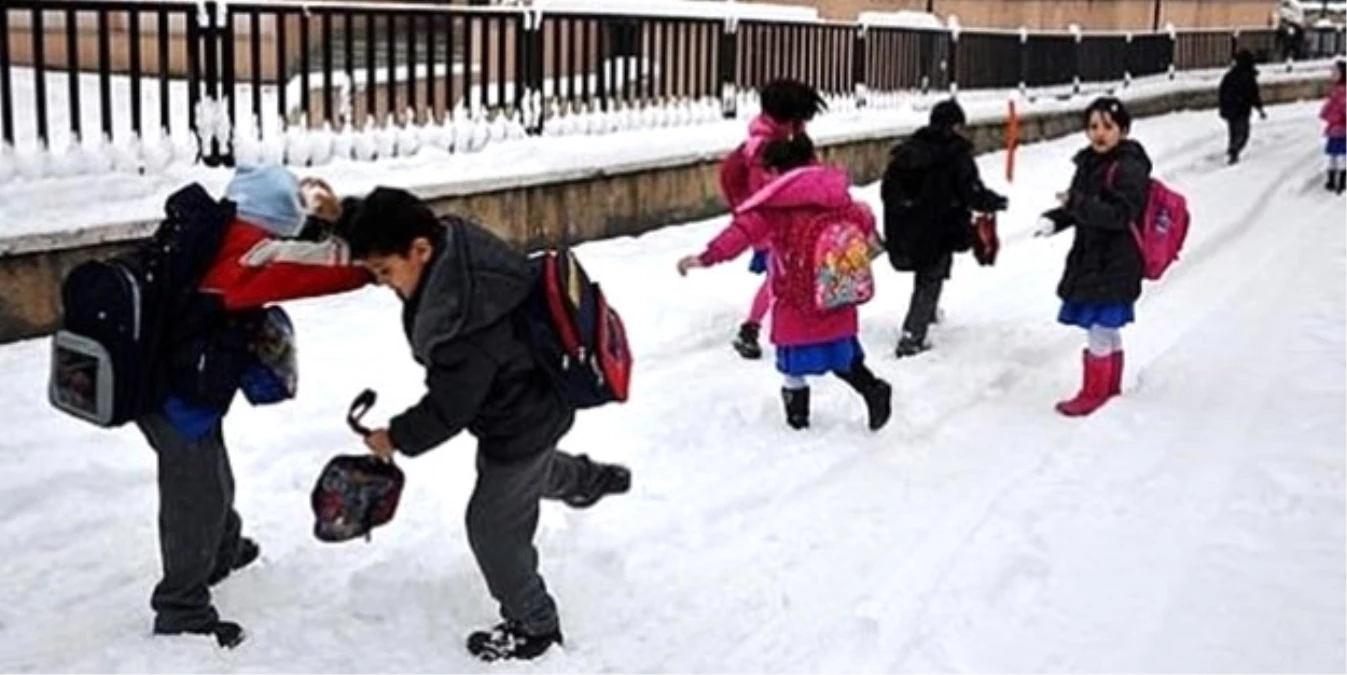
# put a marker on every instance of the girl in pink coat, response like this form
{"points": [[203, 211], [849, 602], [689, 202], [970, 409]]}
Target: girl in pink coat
{"points": [[1334, 115], [808, 341], [786, 106]]}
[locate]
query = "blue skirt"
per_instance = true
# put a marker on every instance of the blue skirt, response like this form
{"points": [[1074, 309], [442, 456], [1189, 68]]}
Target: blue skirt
{"points": [[1336, 146], [758, 265], [1089, 314], [818, 359]]}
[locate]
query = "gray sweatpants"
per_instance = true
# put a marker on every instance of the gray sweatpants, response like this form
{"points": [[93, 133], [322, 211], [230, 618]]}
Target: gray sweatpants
{"points": [[198, 526], [502, 518], [926, 288]]}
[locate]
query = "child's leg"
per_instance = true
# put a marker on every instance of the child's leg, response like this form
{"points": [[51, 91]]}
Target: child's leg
{"points": [[794, 382], [762, 301], [580, 481], [877, 393], [502, 518], [795, 396], [1101, 341], [195, 517]]}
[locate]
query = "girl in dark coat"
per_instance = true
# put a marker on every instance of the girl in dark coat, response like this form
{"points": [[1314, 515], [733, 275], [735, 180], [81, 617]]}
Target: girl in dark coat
{"points": [[1103, 270]]}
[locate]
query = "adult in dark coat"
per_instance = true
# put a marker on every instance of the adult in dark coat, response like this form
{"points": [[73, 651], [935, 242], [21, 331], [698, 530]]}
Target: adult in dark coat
{"points": [[1102, 279], [930, 189], [462, 288], [1239, 97]]}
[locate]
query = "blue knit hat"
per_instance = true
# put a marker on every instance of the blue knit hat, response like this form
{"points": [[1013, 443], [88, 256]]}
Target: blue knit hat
{"points": [[267, 195]]}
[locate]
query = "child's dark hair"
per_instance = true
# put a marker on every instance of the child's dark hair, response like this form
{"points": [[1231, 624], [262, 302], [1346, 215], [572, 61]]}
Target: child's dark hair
{"points": [[783, 155], [1111, 108], [387, 222], [791, 101], [1340, 69]]}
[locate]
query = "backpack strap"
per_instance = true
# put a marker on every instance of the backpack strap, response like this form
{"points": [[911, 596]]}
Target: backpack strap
{"points": [[1109, 174]]}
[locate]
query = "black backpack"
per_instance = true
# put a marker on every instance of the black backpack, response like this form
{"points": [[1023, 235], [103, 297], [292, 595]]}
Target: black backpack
{"points": [[107, 354]]}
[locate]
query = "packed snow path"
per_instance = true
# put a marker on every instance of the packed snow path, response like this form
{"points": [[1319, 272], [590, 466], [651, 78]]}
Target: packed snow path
{"points": [[1195, 524]]}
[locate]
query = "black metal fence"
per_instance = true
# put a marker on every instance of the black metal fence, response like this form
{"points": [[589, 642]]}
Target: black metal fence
{"points": [[123, 68]]}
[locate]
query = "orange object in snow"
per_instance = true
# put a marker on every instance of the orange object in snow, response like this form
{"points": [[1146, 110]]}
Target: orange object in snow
{"points": [[1012, 140]]}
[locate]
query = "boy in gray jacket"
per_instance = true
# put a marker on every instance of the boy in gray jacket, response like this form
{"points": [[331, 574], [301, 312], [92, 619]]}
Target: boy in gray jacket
{"points": [[461, 286]]}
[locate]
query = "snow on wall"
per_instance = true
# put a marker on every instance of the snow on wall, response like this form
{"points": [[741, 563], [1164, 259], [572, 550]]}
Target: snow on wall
{"points": [[902, 19], [702, 9]]}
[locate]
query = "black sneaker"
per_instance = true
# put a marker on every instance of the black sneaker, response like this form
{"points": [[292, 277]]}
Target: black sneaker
{"points": [[909, 345], [879, 404], [747, 341], [607, 479], [508, 640], [244, 555], [227, 634]]}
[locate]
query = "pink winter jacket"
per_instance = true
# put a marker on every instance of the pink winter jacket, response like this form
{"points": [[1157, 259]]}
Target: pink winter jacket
{"points": [[766, 219], [1334, 112]]}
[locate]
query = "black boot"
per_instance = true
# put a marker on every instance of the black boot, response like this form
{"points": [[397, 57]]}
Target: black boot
{"points": [[747, 341], [244, 555], [1342, 182], [1332, 184], [604, 479], [797, 407], [227, 634], [877, 393], [910, 345]]}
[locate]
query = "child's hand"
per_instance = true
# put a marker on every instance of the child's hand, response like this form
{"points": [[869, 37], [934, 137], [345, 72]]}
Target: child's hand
{"points": [[689, 262], [319, 199], [380, 444], [1063, 198]]}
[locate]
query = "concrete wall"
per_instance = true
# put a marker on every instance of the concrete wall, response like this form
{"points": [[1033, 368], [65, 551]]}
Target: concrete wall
{"points": [[604, 204]]}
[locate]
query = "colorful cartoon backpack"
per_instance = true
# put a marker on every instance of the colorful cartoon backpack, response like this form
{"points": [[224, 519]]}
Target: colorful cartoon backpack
{"points": [[827, 264], [355, 493]]}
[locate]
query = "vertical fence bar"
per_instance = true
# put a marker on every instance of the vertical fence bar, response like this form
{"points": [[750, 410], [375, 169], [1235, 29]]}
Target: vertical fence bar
{"points": [[210, 37], [502, 32], [859, 75], [228, 79], [326, 28], [305, 69], [469, 60], [432, 101], [6, 88], [72, 64], [371, 69], [104, 73], [348, 64], [601, 71], [40, 75], [281, 67], [193, 71], [165, 122], [133, 67], [391, 52], [728, 67], [450, 65], [255, 67], [412, 63], [586, 57]]}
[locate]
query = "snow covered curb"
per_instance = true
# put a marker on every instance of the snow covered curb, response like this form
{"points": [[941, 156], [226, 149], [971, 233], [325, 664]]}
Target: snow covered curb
{"points": [[541, 161]]}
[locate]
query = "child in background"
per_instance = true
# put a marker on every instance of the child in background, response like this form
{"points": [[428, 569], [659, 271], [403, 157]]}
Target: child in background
{"points": [[1334, 115], [786, 106], [809, 341]]}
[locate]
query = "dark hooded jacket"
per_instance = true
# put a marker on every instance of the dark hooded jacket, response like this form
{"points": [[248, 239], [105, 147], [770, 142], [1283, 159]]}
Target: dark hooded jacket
{"points": [[930, 189], [1239, 94], [1108, 196], [480, 373]]}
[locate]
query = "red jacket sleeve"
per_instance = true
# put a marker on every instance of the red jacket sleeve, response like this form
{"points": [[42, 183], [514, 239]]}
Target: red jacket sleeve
{"points": [[734, 177], [244, 287]]}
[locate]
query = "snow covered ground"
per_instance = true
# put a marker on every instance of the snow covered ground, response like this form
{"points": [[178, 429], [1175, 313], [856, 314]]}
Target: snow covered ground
{"points": [[1195, 524]]}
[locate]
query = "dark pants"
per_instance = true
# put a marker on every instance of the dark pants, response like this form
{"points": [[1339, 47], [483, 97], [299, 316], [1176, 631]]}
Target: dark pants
{"points": [[198, 526], [502, 518], [926, 289], [1239, 136]]}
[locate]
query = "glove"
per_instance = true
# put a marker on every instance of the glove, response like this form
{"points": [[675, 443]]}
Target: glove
{"points": [[1052, 222]]}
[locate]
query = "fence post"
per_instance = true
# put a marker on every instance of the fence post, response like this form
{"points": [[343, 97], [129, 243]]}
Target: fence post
{"points": [[1075, 77], [728, 66], [206, 125], [531, 104], [1234, 43], [1173, 48], [1024, 59], [953, 24], [1127, 62], [860, 57]]}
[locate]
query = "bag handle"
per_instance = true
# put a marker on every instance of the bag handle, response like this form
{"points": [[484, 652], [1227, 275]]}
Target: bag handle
{"points": [[361, 405]]}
